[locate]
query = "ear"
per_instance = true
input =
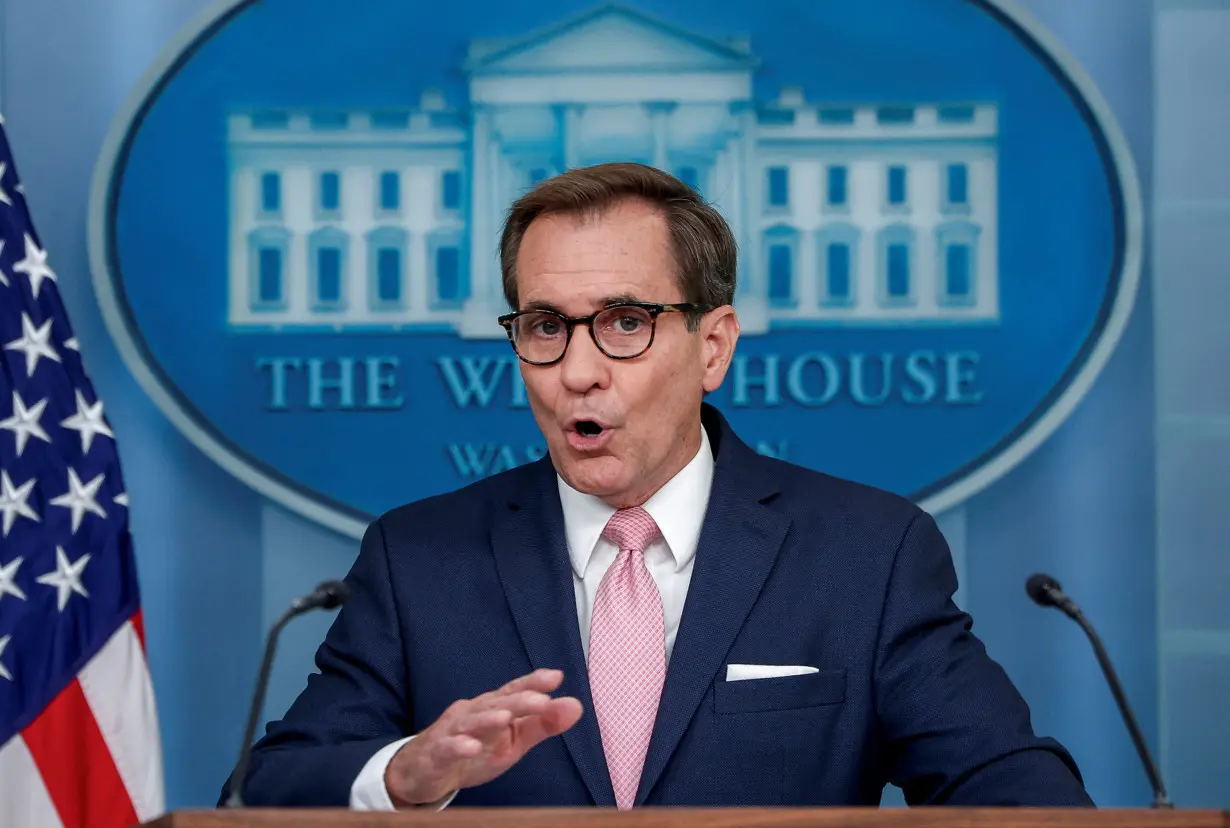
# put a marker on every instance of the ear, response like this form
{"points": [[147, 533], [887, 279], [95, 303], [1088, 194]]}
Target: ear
{"points": [[720, 331]]}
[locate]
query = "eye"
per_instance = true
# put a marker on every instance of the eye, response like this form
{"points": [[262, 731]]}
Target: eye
{"points": [[546, 326], [625, 321], [629, 323]]}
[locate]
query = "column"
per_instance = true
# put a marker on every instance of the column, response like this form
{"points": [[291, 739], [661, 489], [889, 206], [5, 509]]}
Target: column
{"points": [[480, 198], [572, 135], [739, 215], [659, 122], [418, 264], [983, 195], [495, 210], [753, 309], [866, 298], [298, 208], [807, 273], [475, 318], [1190, 225], [243, 264], [923, 182], [359, 184], [866, 214]]}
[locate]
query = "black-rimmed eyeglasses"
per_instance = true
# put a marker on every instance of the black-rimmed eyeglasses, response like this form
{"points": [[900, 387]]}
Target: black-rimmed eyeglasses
{"points": [[623, 331]]}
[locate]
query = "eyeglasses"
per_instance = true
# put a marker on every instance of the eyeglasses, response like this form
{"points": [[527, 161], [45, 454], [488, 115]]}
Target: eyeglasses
{"points": [[623, 331]]}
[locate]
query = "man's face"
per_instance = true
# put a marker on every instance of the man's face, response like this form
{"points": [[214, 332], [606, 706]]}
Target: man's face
{"points": [[648, 408]]}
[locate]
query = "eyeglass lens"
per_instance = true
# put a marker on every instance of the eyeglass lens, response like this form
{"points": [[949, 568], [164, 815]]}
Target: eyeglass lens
{"points": [[620, 332]]}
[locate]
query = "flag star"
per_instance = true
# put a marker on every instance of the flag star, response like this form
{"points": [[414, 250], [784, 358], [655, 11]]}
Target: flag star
{"points": [[122, 499], [66, 579], [4, 642], [33, 343], [71, 344], [4, 279], [4, 197], [7, 575], [35, 266], [13, 502], [24, 422], [88, 421], [80, 498]]}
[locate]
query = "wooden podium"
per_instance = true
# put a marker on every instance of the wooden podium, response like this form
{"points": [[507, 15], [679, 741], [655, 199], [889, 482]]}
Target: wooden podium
{"points": [[703, 818]]}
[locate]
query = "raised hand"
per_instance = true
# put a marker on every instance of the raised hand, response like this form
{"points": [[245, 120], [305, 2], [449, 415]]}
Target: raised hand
{"points": [[476, 740]]}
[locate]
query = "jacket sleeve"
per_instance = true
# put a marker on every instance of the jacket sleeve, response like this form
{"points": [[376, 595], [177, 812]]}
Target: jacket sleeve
{"points": [[955, 729], [356, 704]]}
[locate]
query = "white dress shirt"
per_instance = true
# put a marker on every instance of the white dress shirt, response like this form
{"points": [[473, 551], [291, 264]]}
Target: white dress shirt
{"points": [[679, 510]]}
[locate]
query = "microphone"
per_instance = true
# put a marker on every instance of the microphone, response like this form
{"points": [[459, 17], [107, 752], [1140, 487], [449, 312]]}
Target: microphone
{"points": [[327, 595], [1046, 592]]}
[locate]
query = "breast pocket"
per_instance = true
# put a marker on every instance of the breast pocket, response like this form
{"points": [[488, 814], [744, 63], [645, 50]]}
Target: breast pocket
{"points": [[785, 693]]}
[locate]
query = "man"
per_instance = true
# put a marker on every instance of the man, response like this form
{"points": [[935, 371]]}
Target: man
{"points": [[717, 627]]}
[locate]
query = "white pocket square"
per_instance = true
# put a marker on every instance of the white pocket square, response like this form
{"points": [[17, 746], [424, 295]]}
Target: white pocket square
{"points": [[742, 672]]}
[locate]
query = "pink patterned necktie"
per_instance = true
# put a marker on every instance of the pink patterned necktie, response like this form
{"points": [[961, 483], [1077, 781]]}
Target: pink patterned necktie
{"points": [[627, 652]]}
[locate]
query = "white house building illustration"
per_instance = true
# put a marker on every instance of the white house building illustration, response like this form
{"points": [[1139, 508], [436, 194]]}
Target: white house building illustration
{"points": [[868, 214]]}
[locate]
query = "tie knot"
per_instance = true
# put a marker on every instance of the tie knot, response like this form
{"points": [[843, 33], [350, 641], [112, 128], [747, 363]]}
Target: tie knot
{"points": [[632, 529]]}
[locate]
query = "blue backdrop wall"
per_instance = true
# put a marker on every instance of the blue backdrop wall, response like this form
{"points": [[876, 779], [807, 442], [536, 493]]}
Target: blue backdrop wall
{"points": [[1119, 503]]}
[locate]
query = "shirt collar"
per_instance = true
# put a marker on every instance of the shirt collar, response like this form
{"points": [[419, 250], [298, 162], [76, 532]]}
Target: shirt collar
{"points": [[678, 508]]}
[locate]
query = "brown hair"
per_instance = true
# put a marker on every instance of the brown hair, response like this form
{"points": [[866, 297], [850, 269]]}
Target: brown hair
{"points": [[701, 242]]}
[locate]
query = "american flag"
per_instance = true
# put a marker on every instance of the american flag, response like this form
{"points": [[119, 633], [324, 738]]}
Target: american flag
{"points": [[79, 741]]}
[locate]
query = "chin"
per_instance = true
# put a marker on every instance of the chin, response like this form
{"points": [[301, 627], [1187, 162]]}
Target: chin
{"points": [[598, 476]]}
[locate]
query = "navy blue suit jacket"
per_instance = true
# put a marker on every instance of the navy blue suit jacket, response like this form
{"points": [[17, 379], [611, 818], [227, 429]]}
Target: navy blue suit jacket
{"points": [[459, 593]]}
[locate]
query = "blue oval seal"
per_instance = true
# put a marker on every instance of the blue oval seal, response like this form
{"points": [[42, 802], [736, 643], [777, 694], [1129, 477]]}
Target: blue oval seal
{"points": [[295, 217]]}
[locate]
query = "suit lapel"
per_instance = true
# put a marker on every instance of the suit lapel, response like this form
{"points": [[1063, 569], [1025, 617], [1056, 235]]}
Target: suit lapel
{"points": [[531, 556], [738, 546]]}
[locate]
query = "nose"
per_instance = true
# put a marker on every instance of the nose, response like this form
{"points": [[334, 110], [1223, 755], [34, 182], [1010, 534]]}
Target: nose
{"points": [[583, 366]]}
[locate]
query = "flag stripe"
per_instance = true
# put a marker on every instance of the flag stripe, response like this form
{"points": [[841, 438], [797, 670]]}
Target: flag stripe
{"points": [[76, 766], [138, 626], [116, 683], [33, 808]]}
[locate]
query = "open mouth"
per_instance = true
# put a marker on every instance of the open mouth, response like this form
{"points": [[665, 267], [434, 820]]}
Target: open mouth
{"points": [[589, 435]]}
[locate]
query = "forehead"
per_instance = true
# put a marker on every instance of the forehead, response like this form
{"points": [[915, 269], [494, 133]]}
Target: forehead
{"points": [[624, 250]]}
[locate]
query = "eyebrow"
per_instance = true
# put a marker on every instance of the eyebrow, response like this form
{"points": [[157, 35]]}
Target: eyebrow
{"points": [[606, 302], [539, 305], [621, 299]]}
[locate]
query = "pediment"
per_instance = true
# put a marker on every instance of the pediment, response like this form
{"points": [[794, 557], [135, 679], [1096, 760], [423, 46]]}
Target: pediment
{"points": [[613, 38]]}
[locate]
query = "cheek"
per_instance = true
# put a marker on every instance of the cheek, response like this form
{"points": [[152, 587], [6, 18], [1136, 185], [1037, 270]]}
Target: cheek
{"points": [[539, 389], [661, 389], [679, 376]]}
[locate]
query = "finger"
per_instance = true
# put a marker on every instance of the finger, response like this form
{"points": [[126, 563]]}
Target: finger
{"points": [[544, 681], [558, 716], [561, 714], [484, 724], [521, 703], [492, 724]]}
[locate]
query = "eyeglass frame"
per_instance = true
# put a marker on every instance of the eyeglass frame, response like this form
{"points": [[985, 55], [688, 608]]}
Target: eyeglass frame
{"points": [[654, 309]]}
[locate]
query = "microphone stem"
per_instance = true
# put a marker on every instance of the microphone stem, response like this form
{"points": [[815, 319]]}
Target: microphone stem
{"points": [[1160, 799], [235, 800]]}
